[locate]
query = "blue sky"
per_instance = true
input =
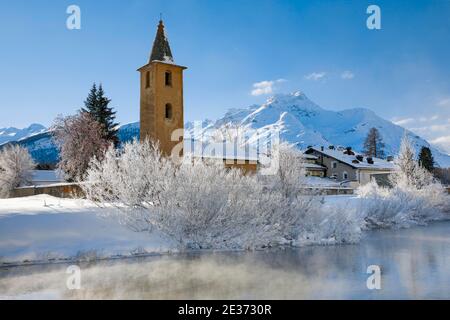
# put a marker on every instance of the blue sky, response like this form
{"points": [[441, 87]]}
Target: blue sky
{"points": [[322, 48]]}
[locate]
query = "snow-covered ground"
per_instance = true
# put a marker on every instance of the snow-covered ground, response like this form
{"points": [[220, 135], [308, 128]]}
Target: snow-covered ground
{"points": [[43, 228]]}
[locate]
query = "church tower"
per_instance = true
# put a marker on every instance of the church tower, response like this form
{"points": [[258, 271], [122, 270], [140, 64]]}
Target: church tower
{"points": [[162, 96]]}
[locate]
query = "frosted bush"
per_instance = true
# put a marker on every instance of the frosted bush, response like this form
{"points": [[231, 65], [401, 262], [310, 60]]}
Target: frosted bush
{"points": [[15, 168], [297, 202], [209, 207], [414, 198], [133, 180], [329, 225], [402, 206]]}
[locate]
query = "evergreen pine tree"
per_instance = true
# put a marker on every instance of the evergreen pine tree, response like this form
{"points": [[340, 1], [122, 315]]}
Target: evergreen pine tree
{"points": [[426, 159], [91, 105], [97, 105], [373, 145]]}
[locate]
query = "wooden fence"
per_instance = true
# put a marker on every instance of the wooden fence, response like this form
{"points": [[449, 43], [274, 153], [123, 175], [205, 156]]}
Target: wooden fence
{"points": [[60, 190]]}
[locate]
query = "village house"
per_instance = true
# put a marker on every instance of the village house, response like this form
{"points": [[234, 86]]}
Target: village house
{"points": [[344, 164], [312, 167]]}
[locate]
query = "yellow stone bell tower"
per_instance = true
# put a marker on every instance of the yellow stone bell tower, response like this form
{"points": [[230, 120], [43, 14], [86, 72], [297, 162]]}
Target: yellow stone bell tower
{"points": [[162, 96]]}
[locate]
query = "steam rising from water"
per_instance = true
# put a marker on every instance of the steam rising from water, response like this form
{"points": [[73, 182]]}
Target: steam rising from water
{"points": [[210, 277], [414, 264]]}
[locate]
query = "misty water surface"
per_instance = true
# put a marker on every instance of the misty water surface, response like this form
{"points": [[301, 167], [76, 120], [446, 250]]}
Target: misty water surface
{"points": [[415, 264]]}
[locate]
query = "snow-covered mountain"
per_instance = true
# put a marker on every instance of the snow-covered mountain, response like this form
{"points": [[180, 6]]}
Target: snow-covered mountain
{"points": [[14, 134], [44, 151], [302, 122], [299, 121]]}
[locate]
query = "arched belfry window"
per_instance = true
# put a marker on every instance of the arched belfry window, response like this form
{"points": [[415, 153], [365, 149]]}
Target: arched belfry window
{"points": [[168, 78], [147, 79], [168, 111]]}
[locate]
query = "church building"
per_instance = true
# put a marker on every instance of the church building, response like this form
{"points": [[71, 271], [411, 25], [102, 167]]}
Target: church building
{"points": [[162, 108]]}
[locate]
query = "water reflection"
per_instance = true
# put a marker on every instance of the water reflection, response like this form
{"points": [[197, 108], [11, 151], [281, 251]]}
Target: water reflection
{"points": [[414, 263]]}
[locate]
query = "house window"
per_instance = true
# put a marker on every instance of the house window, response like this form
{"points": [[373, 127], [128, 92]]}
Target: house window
{"points": [[147, 79], [168, 112], [168, 78], [345, 175], [334, 164]]}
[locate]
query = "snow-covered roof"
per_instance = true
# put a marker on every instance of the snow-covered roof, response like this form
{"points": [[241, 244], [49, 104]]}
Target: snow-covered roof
{"points": [[309, 156], [351, 160], [223, 150]]}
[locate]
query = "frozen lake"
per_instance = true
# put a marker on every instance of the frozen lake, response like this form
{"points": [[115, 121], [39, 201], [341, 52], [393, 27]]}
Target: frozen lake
{"points": [[415, 264]]}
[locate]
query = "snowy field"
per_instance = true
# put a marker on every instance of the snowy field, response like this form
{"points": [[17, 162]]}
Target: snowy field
{"points": [[44, 228]]}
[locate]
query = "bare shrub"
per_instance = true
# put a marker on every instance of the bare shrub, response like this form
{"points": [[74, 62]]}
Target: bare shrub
{"points": [[79, 139]]}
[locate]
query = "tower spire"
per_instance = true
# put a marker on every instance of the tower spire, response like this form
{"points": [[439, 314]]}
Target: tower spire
{"points": [[161, 48]]}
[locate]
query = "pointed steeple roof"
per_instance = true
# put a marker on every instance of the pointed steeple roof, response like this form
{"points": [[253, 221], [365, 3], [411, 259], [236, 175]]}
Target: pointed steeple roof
{"points": [[161, 48]]}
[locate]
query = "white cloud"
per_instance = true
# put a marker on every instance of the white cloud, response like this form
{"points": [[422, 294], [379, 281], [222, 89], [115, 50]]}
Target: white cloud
{"points": [[440, 127], [265, 87], [402, 122], [443, 142], [434, 128], [444, 102], [406, 121], [315, 76], [347, 75], [444, 139]]}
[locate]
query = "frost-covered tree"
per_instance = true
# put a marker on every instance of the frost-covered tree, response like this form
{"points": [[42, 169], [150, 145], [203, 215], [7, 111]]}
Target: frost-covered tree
{"points": [[79, 138], [290, 177], [290, 182], [409, 172], [15, 168], [373, 145]]}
